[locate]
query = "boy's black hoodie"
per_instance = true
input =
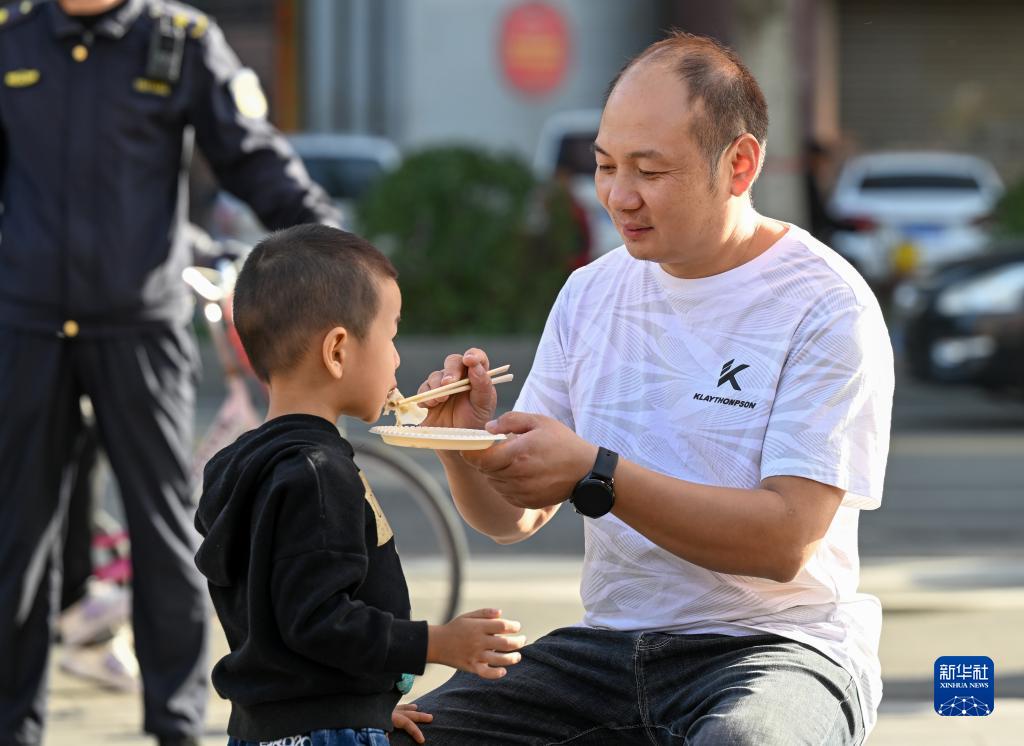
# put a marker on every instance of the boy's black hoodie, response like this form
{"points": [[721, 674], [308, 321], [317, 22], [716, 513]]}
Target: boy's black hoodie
{"points": [[307, 584]]}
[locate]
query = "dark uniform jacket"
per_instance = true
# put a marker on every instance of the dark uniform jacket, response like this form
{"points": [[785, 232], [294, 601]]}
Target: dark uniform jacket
{"points": [[94, 150]]}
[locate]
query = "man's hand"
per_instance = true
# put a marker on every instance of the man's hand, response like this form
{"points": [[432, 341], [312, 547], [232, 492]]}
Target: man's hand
{"points": [[538, 465], [470, 410]]}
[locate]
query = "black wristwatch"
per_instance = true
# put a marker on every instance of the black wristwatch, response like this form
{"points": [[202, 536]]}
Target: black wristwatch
{"points": [[594, 495]]}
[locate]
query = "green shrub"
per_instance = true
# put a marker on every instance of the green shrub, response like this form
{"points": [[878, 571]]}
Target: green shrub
{"points": [[1009, 214], [480, 247]]}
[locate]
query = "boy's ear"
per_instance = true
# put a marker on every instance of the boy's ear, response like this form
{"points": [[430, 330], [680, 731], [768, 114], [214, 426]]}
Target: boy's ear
{"points": [[333, 351]]}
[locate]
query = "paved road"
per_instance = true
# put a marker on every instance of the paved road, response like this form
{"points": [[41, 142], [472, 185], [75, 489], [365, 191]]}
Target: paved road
{"points": [[955, 482], [541, 592]]}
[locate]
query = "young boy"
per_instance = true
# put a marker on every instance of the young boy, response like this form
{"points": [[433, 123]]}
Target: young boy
{"points": [[300, 559]]}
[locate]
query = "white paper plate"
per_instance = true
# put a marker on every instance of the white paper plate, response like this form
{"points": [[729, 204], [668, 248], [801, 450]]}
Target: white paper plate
{"points": [[436, 438]]}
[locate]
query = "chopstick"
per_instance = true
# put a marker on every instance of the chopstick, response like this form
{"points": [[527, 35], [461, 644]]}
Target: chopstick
{"points": [[457, 387]]}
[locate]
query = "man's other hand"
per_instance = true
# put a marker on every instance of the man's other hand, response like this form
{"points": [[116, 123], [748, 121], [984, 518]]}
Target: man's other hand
{"points": [[538, 464]]}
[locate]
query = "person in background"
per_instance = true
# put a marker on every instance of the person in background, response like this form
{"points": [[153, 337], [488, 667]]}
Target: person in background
{"points": [[101, 102], [563, 180], [820, 222]]}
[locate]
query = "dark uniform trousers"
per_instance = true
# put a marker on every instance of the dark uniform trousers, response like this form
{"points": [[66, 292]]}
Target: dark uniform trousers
{"points": [[143, 388]]}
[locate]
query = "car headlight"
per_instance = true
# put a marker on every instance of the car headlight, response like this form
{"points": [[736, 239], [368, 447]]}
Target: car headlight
{"points": [[997, 291]]}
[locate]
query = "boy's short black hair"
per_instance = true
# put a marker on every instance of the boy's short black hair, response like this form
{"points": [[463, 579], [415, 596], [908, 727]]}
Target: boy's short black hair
{"points": [[302, 281]]}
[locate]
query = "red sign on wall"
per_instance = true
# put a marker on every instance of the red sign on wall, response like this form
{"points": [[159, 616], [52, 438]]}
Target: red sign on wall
{"points": [[534, 48]]}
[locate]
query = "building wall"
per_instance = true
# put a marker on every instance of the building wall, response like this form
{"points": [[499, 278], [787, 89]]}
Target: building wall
{"points": [[936, 74], [436, 64], [772, 39], [422, 71], [767, 38]]}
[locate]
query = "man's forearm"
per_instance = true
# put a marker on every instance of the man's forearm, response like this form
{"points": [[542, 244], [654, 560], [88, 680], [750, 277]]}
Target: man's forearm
{"points": [[486, 510], [760, 532]]}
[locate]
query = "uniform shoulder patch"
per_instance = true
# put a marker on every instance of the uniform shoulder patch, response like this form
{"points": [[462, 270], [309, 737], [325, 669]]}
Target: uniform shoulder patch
{"points": [[11, 14], [199, 26], [248, 95], [193, 21]]}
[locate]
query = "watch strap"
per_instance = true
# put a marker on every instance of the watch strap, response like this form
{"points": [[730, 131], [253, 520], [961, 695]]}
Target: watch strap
{"points": [[604, 465]]}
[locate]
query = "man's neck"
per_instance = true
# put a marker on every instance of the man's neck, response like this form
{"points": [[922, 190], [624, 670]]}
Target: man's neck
{"points": [[88, 7], [752, 235], [745, 236]]}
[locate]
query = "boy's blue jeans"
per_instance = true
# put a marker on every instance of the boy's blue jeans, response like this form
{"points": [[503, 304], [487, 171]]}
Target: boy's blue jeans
{"points": [[586, 686], [339, 737]]}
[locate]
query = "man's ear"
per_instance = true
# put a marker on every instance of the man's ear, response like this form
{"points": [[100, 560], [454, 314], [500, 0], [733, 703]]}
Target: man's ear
{"points": [[744, 159], [333, 349]]}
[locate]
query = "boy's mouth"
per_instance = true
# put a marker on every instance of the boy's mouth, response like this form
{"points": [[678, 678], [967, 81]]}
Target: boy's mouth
{"points": [[405, 414], [390, 398]]}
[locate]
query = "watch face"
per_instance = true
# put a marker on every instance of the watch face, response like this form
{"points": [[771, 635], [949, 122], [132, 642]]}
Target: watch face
{"points": [[592, 497]]}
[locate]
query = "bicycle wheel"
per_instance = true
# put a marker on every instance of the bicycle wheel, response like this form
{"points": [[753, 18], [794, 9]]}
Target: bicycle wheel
{"points": [[428, 530]]}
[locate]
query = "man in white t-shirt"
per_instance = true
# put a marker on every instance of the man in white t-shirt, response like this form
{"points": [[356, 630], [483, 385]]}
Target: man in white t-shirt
{"points": [[714, 399]]}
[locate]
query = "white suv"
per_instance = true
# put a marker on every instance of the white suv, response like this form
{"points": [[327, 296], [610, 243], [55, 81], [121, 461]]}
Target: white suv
{"points": [[900, 211]]}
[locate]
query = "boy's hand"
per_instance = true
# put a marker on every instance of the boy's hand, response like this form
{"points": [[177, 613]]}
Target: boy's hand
{"points": [[476, 642], [472, 410], [405, 717]]}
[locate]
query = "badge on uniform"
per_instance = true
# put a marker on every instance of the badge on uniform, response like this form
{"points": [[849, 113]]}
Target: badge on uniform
{"points": [[152, 87], [249, 98], [21, 78]]}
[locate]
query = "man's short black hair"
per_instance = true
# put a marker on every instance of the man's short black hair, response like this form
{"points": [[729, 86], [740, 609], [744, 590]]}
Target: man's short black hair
{"points": [[300, 282], [716, 79]]}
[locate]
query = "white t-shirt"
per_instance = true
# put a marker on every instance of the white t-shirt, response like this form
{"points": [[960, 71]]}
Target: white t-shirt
{"points": [[781, 366]]}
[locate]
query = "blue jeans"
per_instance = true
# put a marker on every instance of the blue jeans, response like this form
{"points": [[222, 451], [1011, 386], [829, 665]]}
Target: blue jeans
{"points": [[338, 737], [586, 686]]}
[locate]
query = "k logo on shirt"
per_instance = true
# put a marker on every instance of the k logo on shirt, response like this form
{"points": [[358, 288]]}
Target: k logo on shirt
{"points": [[729, 374]]}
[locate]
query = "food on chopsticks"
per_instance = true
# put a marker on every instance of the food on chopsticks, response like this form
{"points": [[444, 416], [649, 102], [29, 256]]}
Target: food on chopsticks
{"points": [[406, 413]]}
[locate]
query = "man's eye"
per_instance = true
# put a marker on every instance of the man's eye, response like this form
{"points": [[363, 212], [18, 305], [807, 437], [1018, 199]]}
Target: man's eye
{"points": [[605, 167], [649, 173]]}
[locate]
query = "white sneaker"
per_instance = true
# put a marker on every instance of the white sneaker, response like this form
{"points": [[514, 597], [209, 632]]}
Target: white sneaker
{"points": [[96, 617], [111, 664]]}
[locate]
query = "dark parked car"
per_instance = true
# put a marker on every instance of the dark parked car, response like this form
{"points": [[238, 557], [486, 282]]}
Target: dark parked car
{"points": [[964, 322]]}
